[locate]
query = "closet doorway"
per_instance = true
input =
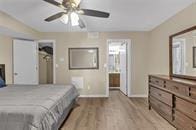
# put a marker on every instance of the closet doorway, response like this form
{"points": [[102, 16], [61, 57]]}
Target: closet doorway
{"points": [[46, 62], [119, 64]]}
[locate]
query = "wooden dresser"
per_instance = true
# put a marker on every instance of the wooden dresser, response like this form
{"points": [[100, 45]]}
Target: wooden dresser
{"points": [[174, 99]]}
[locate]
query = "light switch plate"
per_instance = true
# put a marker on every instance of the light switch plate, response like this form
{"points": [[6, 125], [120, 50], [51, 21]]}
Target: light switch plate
{"points": [[62, 59]]}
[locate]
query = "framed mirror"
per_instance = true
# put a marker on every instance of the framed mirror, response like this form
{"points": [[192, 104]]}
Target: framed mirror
{"points": [[182, 46], [83, 58]]}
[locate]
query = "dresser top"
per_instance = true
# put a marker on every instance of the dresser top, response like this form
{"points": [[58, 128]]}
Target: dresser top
{"points": [[178, 80]]}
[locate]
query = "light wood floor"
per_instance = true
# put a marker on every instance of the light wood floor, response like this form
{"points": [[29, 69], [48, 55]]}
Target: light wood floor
{"points": [[117, 112]]}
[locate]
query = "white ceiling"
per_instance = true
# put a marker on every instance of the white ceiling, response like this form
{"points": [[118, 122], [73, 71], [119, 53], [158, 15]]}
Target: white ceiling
{"points": [[126, 15]]}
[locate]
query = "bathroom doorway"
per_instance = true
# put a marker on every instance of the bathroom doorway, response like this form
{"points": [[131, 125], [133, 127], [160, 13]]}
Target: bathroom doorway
{"points": [[118, 70]]}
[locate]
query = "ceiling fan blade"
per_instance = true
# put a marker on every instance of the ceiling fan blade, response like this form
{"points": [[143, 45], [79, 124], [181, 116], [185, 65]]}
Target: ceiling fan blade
{"points": [[56, 16], [55, 3], [94, 13], [81, 23]]}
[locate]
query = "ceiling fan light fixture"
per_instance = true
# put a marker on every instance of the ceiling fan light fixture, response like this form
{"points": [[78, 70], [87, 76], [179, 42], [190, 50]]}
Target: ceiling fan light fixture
{"points": [[77, 2], [74, 19], [64, 19]]}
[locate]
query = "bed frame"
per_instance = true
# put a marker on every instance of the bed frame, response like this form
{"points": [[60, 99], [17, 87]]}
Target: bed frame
{"points": [[64, 117], [2, 71]]}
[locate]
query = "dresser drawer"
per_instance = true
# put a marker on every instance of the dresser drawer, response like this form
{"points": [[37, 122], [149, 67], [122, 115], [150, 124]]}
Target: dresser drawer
{"points": [[161, 108], [178, 88], [161, 95], [186, 107], [157, 81], [182, 122], [193, 93]]}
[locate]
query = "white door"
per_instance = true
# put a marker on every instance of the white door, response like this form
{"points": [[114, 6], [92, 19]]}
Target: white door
{"points": [[123, 68], [25, 62]]}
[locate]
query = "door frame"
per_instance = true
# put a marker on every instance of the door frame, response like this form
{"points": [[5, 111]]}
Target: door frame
{"points": [[129, 59], [54, 56]]}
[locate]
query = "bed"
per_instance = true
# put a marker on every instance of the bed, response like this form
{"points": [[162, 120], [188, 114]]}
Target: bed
{"points": [[41, 107]]}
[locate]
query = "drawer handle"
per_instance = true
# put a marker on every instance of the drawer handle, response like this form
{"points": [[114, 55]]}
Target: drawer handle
{"points": [[176, 87], [157, 81]]}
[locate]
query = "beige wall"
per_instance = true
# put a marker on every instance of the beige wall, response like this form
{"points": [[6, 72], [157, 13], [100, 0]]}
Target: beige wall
{"points": [[159, 45], [14, 27], [9, 28], [6, 56], [95, 80]]}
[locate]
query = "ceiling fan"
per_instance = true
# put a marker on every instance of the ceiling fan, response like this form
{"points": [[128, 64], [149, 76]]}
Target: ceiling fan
{"points": [[72, 11]]}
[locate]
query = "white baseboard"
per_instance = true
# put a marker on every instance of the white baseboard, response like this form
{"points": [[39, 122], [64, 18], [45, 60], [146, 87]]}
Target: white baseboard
{"points": [[138, 96], [93, 96]]}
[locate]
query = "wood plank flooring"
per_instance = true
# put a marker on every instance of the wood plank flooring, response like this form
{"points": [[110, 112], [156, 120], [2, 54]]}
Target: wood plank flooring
{"points": [[117, 112]]}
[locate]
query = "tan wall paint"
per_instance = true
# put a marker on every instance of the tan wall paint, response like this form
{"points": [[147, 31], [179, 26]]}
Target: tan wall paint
{"points": [[16, 27], [6, 56], [96, 79], [13, 28], [159, 45]]}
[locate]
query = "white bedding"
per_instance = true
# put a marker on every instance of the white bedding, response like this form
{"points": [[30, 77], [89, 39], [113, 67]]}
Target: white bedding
{"points": [[34, 107]]}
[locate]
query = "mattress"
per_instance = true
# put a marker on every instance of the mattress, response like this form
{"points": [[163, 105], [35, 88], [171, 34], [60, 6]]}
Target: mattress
{"points": [[24, 107]]}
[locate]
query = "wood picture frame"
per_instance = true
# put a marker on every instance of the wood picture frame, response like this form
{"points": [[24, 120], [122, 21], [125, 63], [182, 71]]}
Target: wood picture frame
{"points": [[87, 67], [171, 58]]}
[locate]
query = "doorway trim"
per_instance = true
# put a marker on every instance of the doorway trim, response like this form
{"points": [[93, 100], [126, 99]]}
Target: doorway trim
{"points": [[129, 59], [54, 56]]}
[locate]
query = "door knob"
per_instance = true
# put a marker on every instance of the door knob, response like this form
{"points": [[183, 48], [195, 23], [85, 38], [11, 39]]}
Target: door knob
{"points": [[15, 74]]}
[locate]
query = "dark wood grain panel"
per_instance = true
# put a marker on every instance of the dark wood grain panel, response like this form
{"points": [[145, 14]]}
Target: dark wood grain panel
{"points": [[192, 93], [163, 109], [182, 122], [177, 88], [157, 81], [186, 107], [161, 95], [191, 83]]}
